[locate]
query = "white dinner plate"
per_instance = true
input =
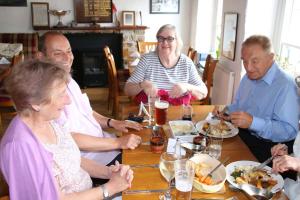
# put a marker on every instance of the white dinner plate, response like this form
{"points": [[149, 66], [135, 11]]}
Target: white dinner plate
{"points": [[231, 167], [183, 129], [233, 130]]}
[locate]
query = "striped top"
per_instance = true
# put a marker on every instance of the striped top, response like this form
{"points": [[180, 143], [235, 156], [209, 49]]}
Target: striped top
{"points": [[150, 68]]}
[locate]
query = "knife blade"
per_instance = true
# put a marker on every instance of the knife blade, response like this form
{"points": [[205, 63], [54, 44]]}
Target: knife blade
{"points": [[144, 166], [214, 169], [207, 198], [262, 165], [144, 191]]}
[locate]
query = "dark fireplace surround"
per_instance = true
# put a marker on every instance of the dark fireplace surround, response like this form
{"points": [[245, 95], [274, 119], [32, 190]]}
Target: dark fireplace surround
{"points": [[89, 67]]}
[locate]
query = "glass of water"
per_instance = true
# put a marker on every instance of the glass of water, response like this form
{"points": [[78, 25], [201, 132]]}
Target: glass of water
{"points": [[215, 147], [184, 177]]}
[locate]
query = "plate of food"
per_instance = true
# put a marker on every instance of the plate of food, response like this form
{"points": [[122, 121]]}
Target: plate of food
{"points": [[240, 172], [183, 129], [217, 128]]}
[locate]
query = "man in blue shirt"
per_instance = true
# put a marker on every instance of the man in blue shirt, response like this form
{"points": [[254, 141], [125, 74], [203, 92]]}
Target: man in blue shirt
{"points": [[266, 106]]}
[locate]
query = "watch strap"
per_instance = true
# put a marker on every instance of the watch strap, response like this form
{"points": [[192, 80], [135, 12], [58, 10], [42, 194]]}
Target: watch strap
{"points": [[104, 191]]}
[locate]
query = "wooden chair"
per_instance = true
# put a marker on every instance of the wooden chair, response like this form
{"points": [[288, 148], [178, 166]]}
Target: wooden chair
{"points": [[7, 108], [116, 93], [191, 53], [207, 77], [146, 47]]}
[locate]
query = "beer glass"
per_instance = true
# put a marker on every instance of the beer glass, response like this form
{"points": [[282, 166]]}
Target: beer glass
{"points": [[161, 108], [184, 177]]}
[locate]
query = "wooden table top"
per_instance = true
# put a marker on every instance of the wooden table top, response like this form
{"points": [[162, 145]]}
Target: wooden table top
{"points": [[150, 178]]}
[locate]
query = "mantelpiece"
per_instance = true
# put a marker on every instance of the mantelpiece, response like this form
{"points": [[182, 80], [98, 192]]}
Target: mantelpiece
{"points": [[91, 28]]}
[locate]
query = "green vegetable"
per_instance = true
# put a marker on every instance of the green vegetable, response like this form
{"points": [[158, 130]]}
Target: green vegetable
{"points": [[236, 174]]}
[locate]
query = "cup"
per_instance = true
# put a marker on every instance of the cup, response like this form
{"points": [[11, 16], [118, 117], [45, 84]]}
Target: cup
{"points": [[161, 108], [184, 177], [215, 147], [157, 140], [187, 112], [150, 104]]}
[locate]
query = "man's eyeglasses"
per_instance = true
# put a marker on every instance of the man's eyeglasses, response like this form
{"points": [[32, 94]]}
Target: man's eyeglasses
{"points": [[161, 39]]}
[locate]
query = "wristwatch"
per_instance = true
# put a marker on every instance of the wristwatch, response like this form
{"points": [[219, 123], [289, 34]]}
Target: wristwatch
{"points": [[104, 191]]}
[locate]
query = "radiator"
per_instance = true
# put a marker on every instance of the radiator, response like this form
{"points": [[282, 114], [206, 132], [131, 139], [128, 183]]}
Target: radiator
{"points": [[223, 82]]}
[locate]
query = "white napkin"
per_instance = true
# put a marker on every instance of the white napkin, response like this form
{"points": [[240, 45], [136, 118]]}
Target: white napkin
{"points": [[209, 116], [171, 148], [3, 60]]}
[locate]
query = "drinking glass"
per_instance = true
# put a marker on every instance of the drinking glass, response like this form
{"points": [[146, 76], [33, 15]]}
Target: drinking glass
{"points": [[184, 177], [215, 147], [187, 112], [166, 167], [161, 108], [150, 105]]}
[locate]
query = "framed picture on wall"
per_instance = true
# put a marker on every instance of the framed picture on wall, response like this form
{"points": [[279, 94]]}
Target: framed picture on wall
{"points": [[13, 3], [229, 35], [40, 15], [164, 7], [128, 18]]}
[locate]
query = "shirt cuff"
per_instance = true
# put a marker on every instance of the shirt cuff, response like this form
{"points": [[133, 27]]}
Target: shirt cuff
{"points": [[257, 124]]}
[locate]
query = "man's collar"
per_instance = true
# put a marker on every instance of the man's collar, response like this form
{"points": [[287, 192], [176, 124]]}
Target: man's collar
{"points": [[269, 76]]}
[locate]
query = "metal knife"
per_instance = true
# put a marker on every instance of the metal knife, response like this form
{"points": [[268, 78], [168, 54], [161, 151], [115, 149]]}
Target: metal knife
{"points": [[144, 166], [207, 198], [262, 165], [144, 191]]}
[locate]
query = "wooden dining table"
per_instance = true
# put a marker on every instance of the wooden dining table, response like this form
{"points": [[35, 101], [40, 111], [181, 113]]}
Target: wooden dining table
{"points": [[147, 178]]}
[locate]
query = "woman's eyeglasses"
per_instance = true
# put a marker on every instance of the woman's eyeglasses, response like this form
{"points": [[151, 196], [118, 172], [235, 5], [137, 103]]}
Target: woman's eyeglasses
{"points": [[161, 39]]}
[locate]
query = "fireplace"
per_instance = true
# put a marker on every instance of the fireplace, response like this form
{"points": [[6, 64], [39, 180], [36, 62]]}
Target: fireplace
{"points": [[89, 67]]}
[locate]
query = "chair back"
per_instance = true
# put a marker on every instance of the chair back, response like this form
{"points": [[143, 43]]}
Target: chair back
{"points": [[7, 108], [207, 77], [191, 53], [112, 71], [146, 47], [113, 81]]}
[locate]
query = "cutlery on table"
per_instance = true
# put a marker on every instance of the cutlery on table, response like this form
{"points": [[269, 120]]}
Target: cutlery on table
{"points": [[144, 166], [144, 191], [208, 199]]}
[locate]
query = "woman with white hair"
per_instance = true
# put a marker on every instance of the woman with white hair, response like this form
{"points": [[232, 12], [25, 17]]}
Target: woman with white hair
{"points": [[166, 69]]}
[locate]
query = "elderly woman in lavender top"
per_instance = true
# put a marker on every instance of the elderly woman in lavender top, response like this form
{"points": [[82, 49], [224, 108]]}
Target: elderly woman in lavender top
{"points": [[38, 158]]}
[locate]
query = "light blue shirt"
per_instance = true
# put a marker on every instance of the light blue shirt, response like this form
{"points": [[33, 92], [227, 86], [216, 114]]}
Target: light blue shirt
{"points": [[273, 102]]}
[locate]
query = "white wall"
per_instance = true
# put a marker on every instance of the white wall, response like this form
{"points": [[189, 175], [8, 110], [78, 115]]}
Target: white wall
{"points": [[18, 19], [238, 6]]}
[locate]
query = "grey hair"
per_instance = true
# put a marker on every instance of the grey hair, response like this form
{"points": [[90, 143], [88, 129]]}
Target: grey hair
{"points": [[177, 36]]}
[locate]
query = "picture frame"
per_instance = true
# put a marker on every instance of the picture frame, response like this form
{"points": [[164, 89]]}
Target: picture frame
{"points": [[40, 15], [96, 11], [229, 35], [164, 7], [128, 18], [13, 3]]}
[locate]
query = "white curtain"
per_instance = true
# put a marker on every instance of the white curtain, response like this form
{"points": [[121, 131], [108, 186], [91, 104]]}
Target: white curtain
{"points": [[204, 25]]}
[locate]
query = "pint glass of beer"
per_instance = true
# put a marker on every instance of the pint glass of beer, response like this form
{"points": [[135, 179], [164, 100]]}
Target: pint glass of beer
{"points": [[184, 177], [161, 108]]}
